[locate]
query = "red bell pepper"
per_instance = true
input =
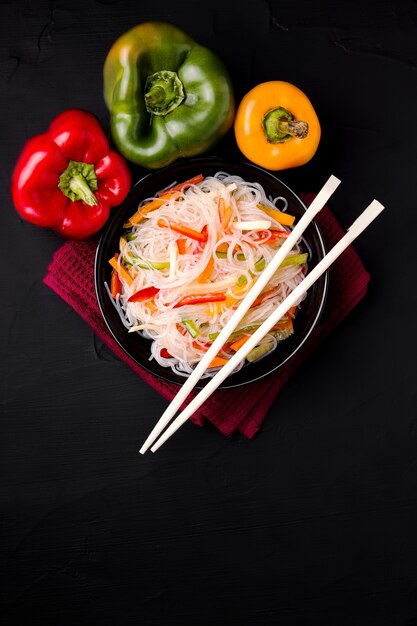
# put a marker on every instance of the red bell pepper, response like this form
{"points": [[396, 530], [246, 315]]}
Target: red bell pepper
{"points": [[201, 299], [115, 284], [143, 294], [274, 235], [67, 178]]}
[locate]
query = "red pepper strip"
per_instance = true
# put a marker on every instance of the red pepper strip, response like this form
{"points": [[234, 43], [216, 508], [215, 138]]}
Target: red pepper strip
{"points": [[182, 186], [143, 294], [204, 232], [184, 230], [239, 343], [115, 284], [201, 346], [165, 354], [275, 234], [68, 178], [150, 206], [201, 299]]}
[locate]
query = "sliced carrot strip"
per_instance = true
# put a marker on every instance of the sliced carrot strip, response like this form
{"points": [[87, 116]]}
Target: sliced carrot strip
{"points": [[143, 210], [151, 306], [184, 230], [218, 361], [187, 183], [239, 343], [182, 246], [206, 273], [167, 195], [122, 271], [150, 206]]}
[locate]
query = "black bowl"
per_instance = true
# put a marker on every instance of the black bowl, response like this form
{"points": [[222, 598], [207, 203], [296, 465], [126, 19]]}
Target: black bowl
{"points": [[137, 347]]}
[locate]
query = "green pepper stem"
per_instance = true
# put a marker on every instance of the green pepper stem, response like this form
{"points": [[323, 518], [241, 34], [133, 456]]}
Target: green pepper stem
{"points": [[164, 91], [78, 182], [155, 96]]}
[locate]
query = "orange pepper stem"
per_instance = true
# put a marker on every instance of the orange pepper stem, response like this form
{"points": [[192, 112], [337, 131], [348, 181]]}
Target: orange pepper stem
{"points": [[279, 126]]}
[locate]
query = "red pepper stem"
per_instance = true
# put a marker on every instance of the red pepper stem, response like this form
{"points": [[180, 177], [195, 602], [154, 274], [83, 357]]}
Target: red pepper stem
{"points": [[80, 187], [78, 182]]}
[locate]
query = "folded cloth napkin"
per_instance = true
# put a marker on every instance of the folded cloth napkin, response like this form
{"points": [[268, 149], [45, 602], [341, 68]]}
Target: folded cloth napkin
{"points": [[243, 409]]}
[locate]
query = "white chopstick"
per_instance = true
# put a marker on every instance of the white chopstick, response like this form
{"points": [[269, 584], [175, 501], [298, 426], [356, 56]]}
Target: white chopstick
{"points": [[316, 206], [358, 226]]}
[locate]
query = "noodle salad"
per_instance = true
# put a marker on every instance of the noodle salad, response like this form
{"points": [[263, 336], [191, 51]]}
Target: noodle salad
{"points": [[189, 255]]}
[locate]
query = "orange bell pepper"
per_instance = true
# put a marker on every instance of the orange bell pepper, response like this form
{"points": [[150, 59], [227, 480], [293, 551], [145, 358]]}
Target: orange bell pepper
{"points": [[276, 126]]}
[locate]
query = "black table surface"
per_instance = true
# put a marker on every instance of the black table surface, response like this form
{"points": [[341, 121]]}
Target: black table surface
{"points": [[314, 520]]}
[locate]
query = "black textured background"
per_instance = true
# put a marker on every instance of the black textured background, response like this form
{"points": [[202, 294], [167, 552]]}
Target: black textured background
{"points": [[312, 522]]}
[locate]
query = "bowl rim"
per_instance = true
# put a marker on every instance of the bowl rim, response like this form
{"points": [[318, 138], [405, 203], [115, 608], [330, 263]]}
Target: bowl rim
{"points": [[208, 160]]}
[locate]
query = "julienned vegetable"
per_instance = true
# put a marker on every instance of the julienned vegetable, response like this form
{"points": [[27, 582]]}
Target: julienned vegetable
{"points": [[67, 178], [184, 267], [168, 96], [276, 126]]}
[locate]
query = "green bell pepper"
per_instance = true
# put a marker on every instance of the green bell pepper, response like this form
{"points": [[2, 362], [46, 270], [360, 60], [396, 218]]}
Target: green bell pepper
{"points": [[168, 96]]}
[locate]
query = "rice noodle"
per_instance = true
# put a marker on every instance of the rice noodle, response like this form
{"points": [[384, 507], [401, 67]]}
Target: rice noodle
{"points": [[152, 258]]}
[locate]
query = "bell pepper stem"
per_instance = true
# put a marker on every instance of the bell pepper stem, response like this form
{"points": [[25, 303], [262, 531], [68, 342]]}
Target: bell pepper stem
{"points": [[164, 91], [78, 182], [80, 187], [155, 96], [297, 129], [279, 126]]}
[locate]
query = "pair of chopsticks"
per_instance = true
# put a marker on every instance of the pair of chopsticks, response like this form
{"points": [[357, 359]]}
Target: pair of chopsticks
{"points": [[358, 226]]}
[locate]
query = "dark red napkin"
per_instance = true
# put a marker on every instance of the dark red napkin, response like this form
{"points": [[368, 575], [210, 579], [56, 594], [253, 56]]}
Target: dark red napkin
{"points": [[71, 276]]}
